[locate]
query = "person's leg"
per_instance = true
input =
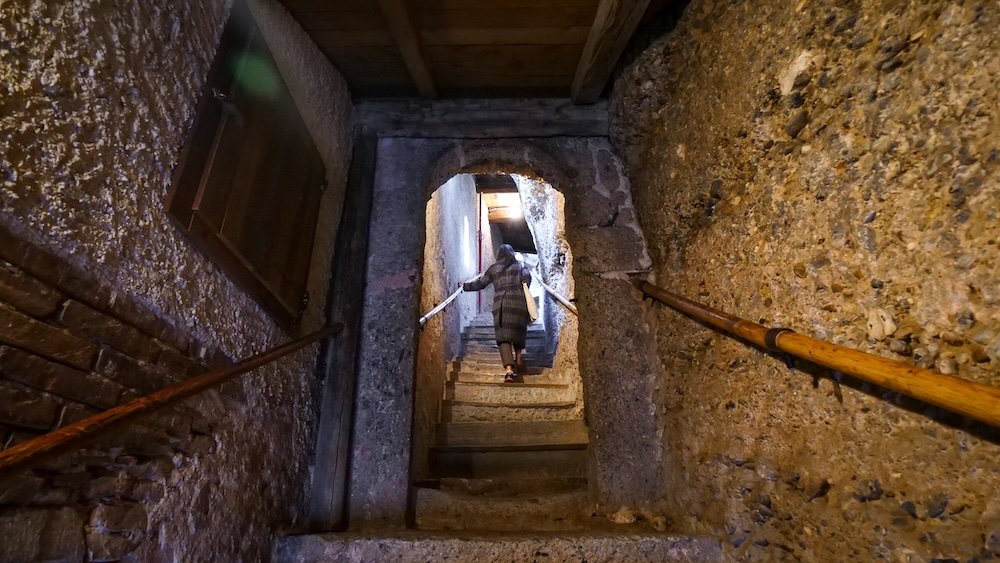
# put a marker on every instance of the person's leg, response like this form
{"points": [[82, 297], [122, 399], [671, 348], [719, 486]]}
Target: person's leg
{"points": [[508, 359], [519, 361]]}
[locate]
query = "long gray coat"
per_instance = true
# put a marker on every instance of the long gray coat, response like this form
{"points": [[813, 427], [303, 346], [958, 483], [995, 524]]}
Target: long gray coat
{"points": [[510, 310]]}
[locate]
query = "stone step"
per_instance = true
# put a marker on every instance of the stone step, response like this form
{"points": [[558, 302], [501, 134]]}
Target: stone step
{"points": [[509, 393], [538, 338], [521, 464], [478, 330], [507, 487], [491, 346], [485, 411], [492, 367], [510, 436], [496, 376], [488, 356], [448, 510], [417, 545], [490, 333]]}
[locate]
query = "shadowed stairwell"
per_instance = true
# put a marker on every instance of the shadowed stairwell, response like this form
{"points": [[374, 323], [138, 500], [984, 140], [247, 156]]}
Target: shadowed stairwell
{"points": [[763, 237]]}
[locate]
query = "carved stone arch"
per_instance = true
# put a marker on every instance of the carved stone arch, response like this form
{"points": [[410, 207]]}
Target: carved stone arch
{"points": [[505, 156], [617, 355]]}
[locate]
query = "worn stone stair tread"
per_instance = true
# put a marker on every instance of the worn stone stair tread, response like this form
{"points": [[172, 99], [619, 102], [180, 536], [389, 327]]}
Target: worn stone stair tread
{"points": [[419, 545], [509, 393], [505, 487], [547, 405], [465, 376], [493, 412], [530, 384], [512, 435], [515, 464], [494, 366], [448, 510]]}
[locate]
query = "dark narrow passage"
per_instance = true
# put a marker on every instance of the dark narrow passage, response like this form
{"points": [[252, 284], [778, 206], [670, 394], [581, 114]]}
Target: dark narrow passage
{"points": [[490, 455]]}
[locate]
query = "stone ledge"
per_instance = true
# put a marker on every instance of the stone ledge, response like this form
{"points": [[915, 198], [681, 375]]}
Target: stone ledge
{"points": [[427, 546]]}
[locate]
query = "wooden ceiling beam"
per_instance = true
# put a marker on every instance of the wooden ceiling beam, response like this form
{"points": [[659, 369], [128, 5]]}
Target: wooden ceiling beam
{"points": [[505, 214], [614, 24], [397, 18]]}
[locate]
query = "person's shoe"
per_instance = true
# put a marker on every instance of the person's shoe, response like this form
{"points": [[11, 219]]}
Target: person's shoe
{"points": [[509, 377]]}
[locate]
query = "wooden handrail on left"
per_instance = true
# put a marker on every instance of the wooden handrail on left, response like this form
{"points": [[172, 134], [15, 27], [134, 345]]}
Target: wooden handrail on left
{"points": [[968, 398], [32, 452]]}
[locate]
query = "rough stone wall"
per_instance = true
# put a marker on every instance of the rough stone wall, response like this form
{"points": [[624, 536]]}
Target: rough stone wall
{"points": [[544, 210], [834, 167], [450, 256], [97, 97]]}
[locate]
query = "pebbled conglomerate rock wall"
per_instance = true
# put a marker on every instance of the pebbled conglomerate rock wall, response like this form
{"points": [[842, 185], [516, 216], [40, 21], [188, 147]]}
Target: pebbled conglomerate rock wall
{"points": [[833, 167], [102, 299]]}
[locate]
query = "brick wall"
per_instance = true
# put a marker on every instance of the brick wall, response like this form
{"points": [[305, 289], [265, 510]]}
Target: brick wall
{"points": [[97, 99], [69, 348]]}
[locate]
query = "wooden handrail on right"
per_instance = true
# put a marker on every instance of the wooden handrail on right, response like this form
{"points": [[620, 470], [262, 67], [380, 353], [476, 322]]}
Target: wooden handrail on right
{"points": [[32, 452], [968, 398], [562, 300]]}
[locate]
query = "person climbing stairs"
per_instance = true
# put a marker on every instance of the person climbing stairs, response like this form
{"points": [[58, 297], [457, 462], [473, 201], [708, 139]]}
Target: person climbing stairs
{"points": [[507, 456]]}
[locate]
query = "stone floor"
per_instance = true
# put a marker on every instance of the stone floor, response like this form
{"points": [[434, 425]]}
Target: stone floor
{"points": [[550, 548]]}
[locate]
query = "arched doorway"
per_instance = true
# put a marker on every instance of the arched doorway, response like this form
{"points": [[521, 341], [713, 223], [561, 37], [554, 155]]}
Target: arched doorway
{"points": [[474, 436], [616, 351]]}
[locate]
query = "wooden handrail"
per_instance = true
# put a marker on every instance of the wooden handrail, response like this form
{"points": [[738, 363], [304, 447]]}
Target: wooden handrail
{"points": [[440, 306], [968, 398], [562, 300], [32, 452]]}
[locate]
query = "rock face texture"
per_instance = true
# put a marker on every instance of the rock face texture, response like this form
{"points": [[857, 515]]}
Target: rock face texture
{"points": [[450, 256], [833, 167], [544, 208], [96, 102]]}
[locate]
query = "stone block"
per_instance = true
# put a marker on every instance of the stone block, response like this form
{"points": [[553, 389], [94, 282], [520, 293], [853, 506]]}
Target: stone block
{"points": [[146, 491], [444, 546], [131, 372], [147, 322], [110, 547], [41, 535], [25, 293], [178, 364], [74, 412], [142, 441], [609, 249], [25, 332], [590, 211], [626, 458], [37, 372], [67, 279], [106, 488], [26, 407], [98, 325], [20, 488], [119, 517], [62, 537]]}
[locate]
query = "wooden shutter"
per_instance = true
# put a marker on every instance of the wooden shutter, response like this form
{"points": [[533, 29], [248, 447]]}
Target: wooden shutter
{"points": [[248, 186]]}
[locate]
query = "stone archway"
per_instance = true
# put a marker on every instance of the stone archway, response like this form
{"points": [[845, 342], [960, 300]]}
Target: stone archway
{"points": [[616, 354]]}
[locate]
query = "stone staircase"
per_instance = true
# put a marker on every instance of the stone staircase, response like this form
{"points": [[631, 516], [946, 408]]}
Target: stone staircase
{"points": [[508, 457], [509, 478]]}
